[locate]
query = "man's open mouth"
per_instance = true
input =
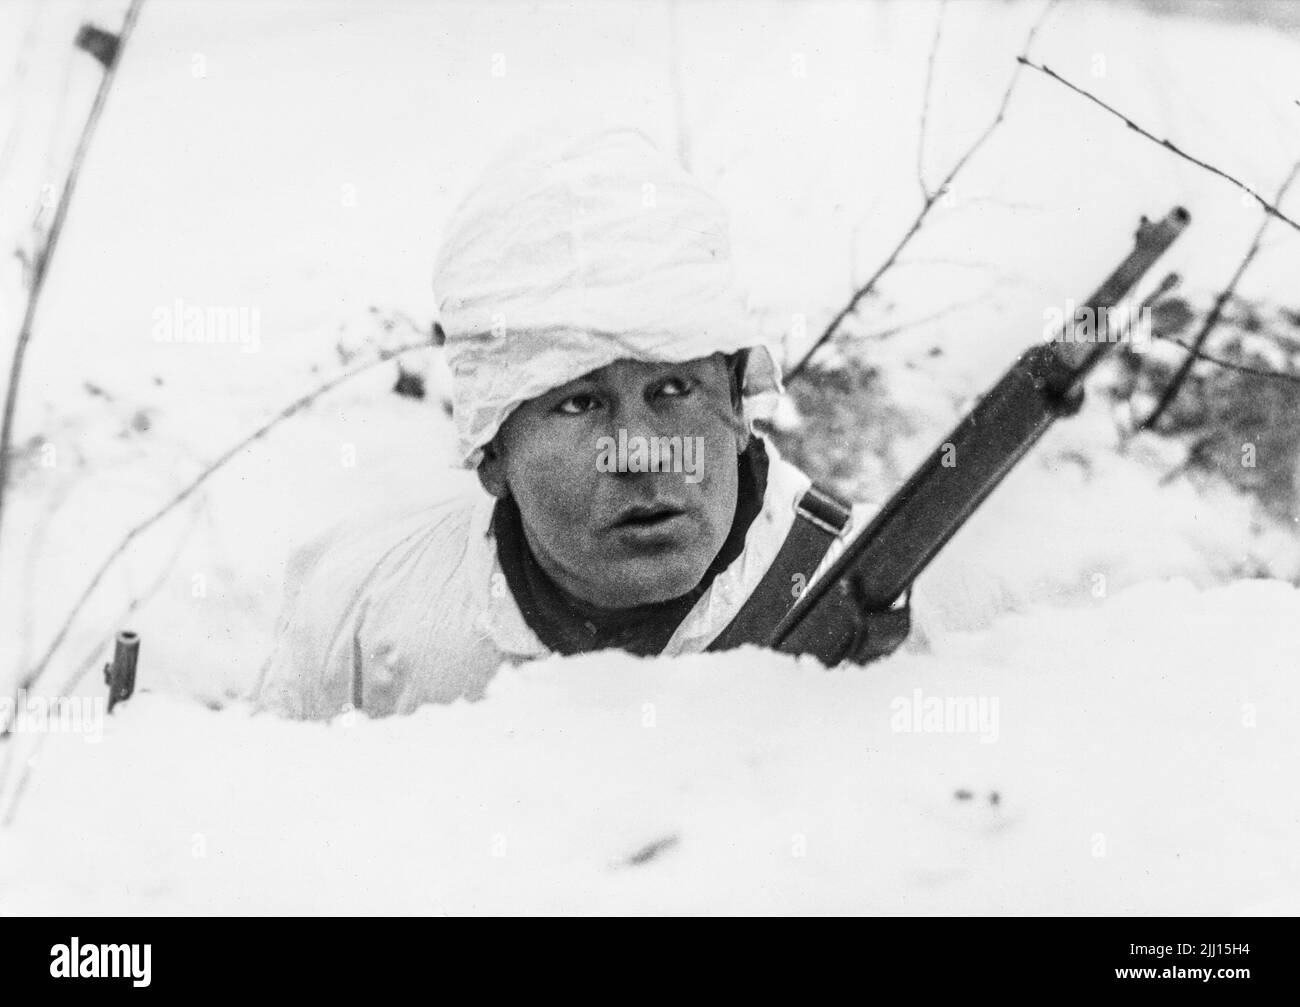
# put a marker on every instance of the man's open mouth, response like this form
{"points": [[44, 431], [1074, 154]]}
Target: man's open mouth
{"points": [[651, 516]]}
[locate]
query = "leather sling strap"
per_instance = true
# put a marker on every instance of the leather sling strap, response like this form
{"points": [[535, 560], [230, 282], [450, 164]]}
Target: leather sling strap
{"points": [[820, 518]]}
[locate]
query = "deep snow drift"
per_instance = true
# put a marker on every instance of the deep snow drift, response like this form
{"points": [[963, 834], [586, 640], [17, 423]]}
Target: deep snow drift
{"points": [[1131, 758]]}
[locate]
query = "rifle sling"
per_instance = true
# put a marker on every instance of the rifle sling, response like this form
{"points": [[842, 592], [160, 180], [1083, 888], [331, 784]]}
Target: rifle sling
{"points": [[820, 518]]}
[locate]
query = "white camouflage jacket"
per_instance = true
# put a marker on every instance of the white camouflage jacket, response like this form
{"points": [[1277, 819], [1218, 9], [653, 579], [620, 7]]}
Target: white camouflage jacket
{"points": [[415, 609]]}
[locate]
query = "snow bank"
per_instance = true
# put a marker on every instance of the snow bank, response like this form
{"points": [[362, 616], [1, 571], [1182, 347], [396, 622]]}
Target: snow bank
{"points": [[1129, 758]]}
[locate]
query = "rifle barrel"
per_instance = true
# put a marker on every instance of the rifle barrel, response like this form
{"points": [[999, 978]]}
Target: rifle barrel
{"points": [[882, 562]]}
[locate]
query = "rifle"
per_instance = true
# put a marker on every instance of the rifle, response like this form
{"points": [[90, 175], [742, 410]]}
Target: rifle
{"points": [[851, 612]]}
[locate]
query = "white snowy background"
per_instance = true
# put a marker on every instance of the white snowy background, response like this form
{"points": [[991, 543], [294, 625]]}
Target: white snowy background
{"points": [[299, 159]]}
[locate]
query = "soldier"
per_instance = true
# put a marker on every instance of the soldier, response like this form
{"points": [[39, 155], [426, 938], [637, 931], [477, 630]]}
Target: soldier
{"points": [[605, 382]]}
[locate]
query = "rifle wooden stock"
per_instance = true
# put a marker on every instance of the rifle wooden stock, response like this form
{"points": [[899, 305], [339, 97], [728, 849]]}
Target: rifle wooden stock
{"points": [[880, 564]]}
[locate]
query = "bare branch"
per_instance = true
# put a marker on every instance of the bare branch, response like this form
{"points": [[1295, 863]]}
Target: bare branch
{"points": [[1258, 372], [926, 206], [933, 316], [39, 267], [925, 101], [1212, 318], [1268, 207], [678, 87]]}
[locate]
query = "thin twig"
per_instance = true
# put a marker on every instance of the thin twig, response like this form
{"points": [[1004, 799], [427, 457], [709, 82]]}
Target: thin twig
{"points": [[297, 405], [678, 88], [1169, 283], [45, 254], [933, 316], [926, 206], [35, 544], [925, 101], [1258, 372], [1268, 207], [1212, 318]]}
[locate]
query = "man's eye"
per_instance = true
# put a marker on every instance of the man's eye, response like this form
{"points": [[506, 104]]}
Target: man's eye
{"points": [[676, 387], [576, 405]]}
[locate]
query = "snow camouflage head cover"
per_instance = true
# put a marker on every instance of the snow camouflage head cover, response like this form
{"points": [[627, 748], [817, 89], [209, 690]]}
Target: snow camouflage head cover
{"points": [[574, 256]]}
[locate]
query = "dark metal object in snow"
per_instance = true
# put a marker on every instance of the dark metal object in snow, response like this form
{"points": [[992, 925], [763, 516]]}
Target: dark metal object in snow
{"points": [[851, 613], [99, 43], [409, 383], [652, 850], [120, 675]]}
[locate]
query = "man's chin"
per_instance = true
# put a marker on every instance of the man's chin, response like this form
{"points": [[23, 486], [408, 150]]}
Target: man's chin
{"points": [[637, 589]]}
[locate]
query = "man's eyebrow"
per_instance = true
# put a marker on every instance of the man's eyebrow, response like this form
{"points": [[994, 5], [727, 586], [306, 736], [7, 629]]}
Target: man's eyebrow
{"points": [[577, 386], [694, 364]]}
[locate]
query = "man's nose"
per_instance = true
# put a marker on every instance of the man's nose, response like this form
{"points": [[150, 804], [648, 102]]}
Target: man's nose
{"points": [[640, 419], [647, 429]]}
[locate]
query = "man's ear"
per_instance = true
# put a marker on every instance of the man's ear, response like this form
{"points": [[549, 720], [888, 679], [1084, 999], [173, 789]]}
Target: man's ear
{"points": [[492, 471], [743, 434], [737, 362]]}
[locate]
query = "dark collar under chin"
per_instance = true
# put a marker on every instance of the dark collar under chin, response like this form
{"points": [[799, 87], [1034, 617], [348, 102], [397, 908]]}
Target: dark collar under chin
{"points": [[568, 625]]}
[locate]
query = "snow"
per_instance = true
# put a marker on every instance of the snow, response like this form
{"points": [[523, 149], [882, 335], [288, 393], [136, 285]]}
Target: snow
{"points": [[300, 160], [1138, 751]]}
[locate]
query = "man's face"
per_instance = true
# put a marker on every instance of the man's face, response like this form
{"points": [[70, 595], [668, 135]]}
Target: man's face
{"points": [[601, 524]]}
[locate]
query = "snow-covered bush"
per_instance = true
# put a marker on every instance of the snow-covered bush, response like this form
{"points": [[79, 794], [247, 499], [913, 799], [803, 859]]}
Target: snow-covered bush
{"points": [[1238, 414]]}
